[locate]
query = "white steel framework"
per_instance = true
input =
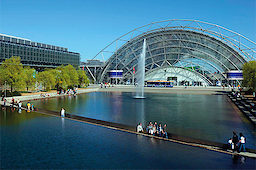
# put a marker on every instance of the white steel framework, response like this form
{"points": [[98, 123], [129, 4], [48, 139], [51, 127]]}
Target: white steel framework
{"points": [[211, 50]]}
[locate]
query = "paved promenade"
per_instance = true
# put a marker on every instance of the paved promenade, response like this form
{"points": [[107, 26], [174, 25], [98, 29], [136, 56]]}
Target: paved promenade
{"points": [[130, 88], [47, 95], [176, 89]]}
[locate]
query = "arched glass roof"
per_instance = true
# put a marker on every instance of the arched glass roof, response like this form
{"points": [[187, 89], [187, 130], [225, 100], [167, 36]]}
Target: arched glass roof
{"points": [[179, 43]]}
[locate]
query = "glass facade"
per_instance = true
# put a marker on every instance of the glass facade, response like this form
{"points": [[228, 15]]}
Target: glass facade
{"points": [[36, 54]]}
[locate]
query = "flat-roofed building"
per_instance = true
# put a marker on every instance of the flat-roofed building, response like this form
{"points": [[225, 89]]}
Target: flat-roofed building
{"points": [[36, 54]]}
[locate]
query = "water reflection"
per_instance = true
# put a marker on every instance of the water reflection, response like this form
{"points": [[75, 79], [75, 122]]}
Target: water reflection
{"points": [[140, 107], [204, 117], [63, 123], [69, 144], [238, 159], [116, 104], [12, 116]]}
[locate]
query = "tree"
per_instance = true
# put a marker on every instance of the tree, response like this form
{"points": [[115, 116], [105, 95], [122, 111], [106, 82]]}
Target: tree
{"points": [[29, 77], [249, 75], [66, 76], [82, 78], [72, 73], [12, 73], [62, 77], [47, 79]]}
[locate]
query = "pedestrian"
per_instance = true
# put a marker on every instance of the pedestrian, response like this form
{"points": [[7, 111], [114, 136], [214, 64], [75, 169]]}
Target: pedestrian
{"points": [[231, 144], [12, 103], [20, 104], [5, 101], [165, 131], [32, 107], [150, 126], [235, 140], [62, 112], [160, 130], [28, 106], [242, 142], [154, 131], [139, 128]]}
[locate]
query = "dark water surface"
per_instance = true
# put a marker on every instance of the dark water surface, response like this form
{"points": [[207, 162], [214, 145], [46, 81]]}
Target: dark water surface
{"points": [[207, 117], [32, 140]]}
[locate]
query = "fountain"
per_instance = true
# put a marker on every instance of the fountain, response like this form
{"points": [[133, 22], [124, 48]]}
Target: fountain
{"points": [[140, 76]]}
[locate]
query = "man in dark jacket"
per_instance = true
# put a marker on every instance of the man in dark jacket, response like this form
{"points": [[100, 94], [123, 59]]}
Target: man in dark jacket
{"points": [[235, 140]]}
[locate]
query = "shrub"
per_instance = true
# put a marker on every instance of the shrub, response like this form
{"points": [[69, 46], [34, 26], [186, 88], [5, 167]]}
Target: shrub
{"points": [[16, 93], [9, 94]]}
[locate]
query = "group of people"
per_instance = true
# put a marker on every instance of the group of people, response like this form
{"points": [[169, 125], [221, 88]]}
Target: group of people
{"points": [[44, 95], [154, 129], [30, 106], [16, 103], [72, 92], [105, 85], [237, 144], [68, 91], [236, 94]]}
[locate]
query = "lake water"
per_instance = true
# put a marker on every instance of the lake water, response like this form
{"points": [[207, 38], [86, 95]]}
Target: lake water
{"points": [[207, 117], [35, 141]]}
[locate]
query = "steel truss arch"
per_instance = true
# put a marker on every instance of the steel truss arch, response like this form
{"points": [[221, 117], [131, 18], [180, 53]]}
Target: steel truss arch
{"points": [[219, 47], [214, 42]]}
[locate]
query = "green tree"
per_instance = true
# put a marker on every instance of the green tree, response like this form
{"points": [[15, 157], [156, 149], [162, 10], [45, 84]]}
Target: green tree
{"points": [[82, 78], [249, 75], [47, 79], [72, 73], [62, 77], [66, 76], [12, 72], [29, 77]]}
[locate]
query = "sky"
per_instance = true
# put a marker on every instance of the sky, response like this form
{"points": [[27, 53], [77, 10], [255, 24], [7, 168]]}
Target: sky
{"points": [[87, 26]]}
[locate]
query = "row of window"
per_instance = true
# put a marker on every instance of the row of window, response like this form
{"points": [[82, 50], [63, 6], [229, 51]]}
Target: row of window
{"points": [[33, 54], [9, 40], [17, 53], [34, 49], [50, 60]]}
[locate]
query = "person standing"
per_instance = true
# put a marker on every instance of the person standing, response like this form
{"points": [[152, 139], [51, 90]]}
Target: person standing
{"points": [[13, 101], [242, 142], [62, 112], [235, 140], [160, 130], [28, 106], [5, 101], [20, 104], [32, 107], [165, 131]]}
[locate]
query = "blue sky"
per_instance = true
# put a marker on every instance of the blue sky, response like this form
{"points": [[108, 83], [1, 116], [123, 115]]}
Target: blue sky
{"points": [[88, 26]]}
